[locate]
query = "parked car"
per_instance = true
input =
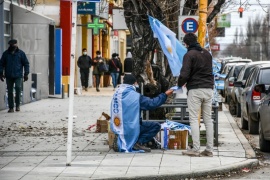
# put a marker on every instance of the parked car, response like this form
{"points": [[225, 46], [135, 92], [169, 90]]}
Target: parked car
{"points": [[230, 79], [264, 118], [233, 60], [250, 98], [236, 92]]}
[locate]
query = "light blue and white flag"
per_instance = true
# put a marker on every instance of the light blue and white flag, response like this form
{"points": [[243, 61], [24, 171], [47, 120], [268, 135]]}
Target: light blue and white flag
{"points": [[125, 117], [170, 45]]}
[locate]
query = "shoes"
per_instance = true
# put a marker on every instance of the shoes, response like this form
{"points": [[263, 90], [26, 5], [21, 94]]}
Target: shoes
{"points": [[11, 110], [191, 153], [86, 89], [98, 90], [206, 153], [17, 108], [137, 146]]}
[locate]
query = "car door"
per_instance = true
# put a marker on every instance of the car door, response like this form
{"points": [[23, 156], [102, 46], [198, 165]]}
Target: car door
{"points": [[265, 112], [245, 94]]}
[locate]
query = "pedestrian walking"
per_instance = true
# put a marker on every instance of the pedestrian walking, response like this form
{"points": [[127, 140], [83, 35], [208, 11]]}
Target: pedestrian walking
{"points": [[120, 70], [84, 63], [197, 74], [114, 68], [128, 64], [14, 66], [97, 61]]}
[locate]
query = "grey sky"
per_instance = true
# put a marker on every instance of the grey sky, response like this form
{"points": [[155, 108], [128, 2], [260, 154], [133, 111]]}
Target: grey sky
{"points": [[250, 10]]}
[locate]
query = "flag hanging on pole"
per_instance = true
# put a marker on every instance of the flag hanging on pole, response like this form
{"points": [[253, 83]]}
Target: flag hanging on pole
{"points": [[170, 45]]}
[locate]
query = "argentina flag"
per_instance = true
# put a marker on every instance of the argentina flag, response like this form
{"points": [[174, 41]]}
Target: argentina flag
{"points": [[170, 45], [125, 117]]}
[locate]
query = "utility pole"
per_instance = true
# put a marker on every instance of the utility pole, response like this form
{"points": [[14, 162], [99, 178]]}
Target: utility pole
{"points": [[202, 21], [71, 81]]}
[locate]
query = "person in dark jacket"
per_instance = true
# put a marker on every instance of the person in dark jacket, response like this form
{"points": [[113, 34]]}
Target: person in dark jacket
{"points": [[84, 63], [96, 61], [128, 64], [197, 74], [114, 68], [13, 62], [120, 70], [131, 115]]}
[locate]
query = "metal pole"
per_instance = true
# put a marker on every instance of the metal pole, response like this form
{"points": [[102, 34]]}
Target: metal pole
{"points": [[260, 49], [63, 91], [202, 21], [71, 89]]}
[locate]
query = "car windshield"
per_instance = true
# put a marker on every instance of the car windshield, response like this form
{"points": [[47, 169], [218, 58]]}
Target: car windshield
{"points": [[265, 74]]}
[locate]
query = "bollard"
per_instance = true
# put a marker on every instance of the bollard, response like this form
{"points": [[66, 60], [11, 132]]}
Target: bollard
{"points": [[63, 91], [68, 90]]}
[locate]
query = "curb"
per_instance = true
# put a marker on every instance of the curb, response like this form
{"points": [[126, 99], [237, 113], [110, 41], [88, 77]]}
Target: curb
{"points": [[249, 163]]}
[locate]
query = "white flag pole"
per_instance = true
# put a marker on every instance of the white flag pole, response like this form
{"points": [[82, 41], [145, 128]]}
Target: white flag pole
{"points": [[71, 81]]}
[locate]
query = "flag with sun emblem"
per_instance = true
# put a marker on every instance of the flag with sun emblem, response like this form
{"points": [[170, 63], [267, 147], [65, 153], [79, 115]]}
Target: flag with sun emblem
{"points": [[125, 117], [170, 45]]}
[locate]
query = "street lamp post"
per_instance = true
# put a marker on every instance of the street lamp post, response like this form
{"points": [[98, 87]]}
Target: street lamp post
{"points": [[260, 49]]}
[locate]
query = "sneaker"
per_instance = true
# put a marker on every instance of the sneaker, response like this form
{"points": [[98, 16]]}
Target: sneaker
{"points": [[206, 153], [86, 89], [137, 146], [10, 110], [17, 108], [191, 153]]}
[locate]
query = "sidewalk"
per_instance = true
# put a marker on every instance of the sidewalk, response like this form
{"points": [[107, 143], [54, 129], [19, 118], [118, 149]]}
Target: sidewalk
{"points": [[33, 146]]}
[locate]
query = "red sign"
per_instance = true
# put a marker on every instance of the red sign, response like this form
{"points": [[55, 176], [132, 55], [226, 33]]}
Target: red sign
{"points": [[215, 47]]}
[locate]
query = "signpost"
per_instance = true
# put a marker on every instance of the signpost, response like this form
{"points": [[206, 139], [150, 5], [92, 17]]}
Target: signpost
{"points": [[96, 26], [187, 24], [224, 20]]}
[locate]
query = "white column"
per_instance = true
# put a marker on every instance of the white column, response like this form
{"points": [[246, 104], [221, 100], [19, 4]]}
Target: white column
{"points": [[71, 82]]}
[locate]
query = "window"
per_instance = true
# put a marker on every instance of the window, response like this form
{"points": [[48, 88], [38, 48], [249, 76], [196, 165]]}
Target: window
{"points": [[264, 76], [249, 80]]}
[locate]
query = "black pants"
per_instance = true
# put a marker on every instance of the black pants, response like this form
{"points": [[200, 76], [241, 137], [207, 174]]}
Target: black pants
{"points": [[97, 80], [10, 85], [84, 77]]}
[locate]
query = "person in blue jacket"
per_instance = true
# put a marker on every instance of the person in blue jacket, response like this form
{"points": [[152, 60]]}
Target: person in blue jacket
{"points": [[125, 116], [12, 63]]}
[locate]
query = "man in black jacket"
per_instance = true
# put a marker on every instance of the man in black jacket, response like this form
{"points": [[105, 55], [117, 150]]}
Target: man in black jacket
{"points": [[12, 62], [84, 63], [197, 74]]}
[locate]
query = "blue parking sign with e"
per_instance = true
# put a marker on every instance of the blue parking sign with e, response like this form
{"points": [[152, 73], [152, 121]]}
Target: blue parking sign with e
{"points": [[190, 25]]}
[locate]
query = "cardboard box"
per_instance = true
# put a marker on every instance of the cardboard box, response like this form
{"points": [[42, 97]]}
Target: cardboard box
{"points": [[178, 139], [111, 136], [102, 126]]}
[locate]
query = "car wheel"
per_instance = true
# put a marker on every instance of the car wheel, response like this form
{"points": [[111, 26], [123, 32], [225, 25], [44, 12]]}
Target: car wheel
{"points": [[253, 126], [238, 110], [244, 122], [264, 144], [232, 107]]}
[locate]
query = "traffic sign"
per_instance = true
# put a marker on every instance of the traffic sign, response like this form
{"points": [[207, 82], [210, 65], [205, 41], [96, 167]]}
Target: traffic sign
{"points": [[187, 24]]}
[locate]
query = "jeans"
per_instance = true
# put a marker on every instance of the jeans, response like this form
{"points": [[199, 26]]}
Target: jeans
{"points": [[200, 99], [84, 77], [148, 130], [10, 86], [97, 80], [115, 79]]}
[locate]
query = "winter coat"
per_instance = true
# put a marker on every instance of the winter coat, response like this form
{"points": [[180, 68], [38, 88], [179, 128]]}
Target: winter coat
{"points": [[96, 64], [114, 65], [84, 62], [14, 63], [197, 69]]}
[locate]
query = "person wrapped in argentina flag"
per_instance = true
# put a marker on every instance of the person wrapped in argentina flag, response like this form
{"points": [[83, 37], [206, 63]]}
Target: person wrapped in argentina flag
{"points": [[125, 102]]}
